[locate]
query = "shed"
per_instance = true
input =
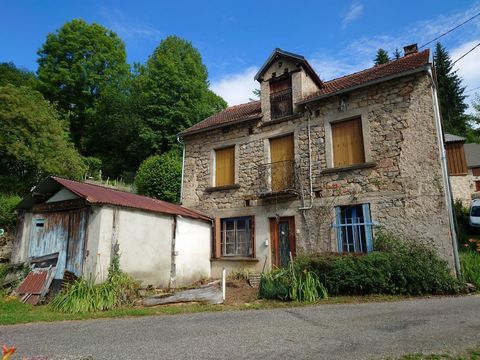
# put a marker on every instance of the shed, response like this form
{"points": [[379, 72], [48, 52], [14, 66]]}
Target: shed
{"points": [[84, 225]]}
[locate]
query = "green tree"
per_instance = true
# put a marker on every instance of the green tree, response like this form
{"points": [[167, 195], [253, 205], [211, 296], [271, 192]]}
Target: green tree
{"points": [[160, 177], [173, 94], [76, 64], [381, 57], [450, 93], [10, 74], [397, 54], [34, 141]]}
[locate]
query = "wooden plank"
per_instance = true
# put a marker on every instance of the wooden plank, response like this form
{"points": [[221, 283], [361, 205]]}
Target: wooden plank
{"points": [[225, 166], [280, 85], [347, 139], [208, 294], [282, 154]]}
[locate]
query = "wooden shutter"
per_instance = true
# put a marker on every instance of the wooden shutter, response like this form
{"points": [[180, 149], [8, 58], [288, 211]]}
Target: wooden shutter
{"points": [[225, 166], [280, 85], [347, 141], [217, 238], [457, 164], [476, 171], [282, 155], [477, 185]]}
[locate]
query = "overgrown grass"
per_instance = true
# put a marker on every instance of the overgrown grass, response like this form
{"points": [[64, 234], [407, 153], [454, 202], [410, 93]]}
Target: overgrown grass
{"points": [[470, 354], [470, 264]]}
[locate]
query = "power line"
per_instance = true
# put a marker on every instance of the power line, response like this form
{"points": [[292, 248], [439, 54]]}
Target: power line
{"points": [[468, 52], [449, 31]]}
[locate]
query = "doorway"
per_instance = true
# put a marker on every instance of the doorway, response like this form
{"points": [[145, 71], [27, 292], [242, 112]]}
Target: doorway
{"points": [[282, 235]]}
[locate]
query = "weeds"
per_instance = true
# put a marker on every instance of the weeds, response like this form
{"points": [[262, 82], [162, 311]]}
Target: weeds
{"points": [[470, 265]]}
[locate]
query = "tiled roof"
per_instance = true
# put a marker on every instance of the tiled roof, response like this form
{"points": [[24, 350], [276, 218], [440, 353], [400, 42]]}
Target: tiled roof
{"points": [[234, 114], [453, 138], [410, 62]]}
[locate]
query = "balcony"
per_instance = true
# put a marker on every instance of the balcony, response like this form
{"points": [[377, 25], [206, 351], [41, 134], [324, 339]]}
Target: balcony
{"points": [[277, 178], [281, 104]]}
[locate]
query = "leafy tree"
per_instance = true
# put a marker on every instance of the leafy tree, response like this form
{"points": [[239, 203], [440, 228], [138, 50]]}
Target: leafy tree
{"points": [[10, 74], [397, 54], [76, 64], [34, 141], [450, 93], [381, 57], [160, 176], [173, 94]]}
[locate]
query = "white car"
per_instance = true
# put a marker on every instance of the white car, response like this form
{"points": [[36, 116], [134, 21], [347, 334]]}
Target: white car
{"points": [[474, 217]]}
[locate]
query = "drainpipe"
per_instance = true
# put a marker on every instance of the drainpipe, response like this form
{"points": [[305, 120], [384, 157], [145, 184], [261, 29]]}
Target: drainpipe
{"points": [[179, 140], [446, 179], [309, 161]]}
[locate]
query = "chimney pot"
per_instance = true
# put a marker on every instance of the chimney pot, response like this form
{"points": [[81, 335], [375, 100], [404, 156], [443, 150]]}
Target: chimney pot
{"points": [[410, 49]]}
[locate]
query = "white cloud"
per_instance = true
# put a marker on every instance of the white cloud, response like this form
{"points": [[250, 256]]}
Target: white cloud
{"points": [[237, 88], [468, 67], [125, 28], [354, 12]]}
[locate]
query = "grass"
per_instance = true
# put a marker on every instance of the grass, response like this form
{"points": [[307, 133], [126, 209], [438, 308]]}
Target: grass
{"points": [[14, 312], [470, 354], [470, 264]]}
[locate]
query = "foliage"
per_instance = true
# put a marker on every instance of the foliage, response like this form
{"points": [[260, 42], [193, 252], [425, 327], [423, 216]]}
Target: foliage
{"points": [[288, 284], [398, 266], [470, 267], [472, 244], [160, 177], [381, 57], [94, 166], [77, 64], [173, 94], [34, 141], [84, 296], [7, 213], [397, 54], [10, 74], [450, 94]]}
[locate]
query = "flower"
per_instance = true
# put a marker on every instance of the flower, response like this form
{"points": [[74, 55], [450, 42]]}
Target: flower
{"points": [[7, 351]]}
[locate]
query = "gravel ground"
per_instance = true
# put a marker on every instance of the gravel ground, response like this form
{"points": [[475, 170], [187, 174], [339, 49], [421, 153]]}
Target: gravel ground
{"points": [[353, 331]]}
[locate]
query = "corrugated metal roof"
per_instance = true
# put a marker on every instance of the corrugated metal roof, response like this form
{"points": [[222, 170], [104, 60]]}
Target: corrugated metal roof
{"points": [[34, 282], [453, 138], [96, 194], [472, 154]]}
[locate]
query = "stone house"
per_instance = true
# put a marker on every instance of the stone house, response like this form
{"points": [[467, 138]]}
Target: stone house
{"points": [[319, 166], [463, 168]]}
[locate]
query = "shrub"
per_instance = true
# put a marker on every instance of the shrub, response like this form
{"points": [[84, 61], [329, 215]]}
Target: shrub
{"points": [[398, 266], [84, 295], [159, 176], [7, 213], [470, 265]]}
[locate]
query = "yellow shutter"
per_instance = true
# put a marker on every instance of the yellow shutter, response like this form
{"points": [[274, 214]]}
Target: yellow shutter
{"points": [[347, 140], [282, 155], [225, 166]]}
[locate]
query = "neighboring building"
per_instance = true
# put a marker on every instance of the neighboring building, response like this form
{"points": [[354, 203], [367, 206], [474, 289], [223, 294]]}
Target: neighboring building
{"points": [[82, 226], [463, 168], [314, 164]]}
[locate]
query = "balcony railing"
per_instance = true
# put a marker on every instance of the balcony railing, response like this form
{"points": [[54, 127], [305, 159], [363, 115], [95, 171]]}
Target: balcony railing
{"points": [[281, 104], [277, 177]]}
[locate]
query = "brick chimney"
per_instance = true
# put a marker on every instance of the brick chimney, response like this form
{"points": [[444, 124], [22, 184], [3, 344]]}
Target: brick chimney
{"points": [[410, 49]]}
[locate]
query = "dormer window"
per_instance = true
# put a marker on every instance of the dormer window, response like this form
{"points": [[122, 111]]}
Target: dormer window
{"points": [[281, 104]]}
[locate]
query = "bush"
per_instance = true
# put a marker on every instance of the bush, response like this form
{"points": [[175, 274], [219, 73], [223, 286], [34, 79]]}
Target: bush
{"points": [[286, 284], [396, 267], [7, 213], [85, 296], [160, 177], [470, 265]]}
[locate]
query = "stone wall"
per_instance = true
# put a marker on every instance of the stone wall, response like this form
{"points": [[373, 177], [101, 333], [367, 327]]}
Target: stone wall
{"points": [[402, 180], [463, 187]]}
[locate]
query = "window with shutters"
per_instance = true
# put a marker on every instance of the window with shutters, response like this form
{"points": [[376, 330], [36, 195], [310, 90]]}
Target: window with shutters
{"points": [[225, 166], [281, 104], [354, 229], [236, 237], [456, 161], [347, 143]]}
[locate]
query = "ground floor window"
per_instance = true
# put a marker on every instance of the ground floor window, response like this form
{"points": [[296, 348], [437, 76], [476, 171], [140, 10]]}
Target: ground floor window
{"points": [[237, 237], [354, 229]]}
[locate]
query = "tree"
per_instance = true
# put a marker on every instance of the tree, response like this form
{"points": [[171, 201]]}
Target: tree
{"points": [[381, 57], [76, 64], [450, 93], [10, 74], [160, 177], [397, 54], [34, 141], [173, 94]]}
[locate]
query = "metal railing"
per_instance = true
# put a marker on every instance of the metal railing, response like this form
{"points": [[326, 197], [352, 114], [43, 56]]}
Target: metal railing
{"points": [[277, 177], [281, 104]]}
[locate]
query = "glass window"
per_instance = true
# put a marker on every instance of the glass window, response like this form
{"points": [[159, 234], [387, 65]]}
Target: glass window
{"points": [[354, 229], [237, 236]]}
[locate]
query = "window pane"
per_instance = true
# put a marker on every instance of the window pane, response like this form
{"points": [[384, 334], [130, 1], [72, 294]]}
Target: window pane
{"points": [[353, 229], [236, 237]]}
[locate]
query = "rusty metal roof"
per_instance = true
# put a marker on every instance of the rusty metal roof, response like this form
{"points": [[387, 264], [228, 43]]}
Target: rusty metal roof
{"points": [[34, 282]]}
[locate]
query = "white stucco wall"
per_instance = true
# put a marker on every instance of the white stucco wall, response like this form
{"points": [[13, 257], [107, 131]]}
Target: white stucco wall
{"points": [[62, 195], [93, 233], [193, 250]]}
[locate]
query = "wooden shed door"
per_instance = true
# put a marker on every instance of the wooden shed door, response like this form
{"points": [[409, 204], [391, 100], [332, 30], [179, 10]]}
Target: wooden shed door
{"points": [[282, 156], [347, 139]]}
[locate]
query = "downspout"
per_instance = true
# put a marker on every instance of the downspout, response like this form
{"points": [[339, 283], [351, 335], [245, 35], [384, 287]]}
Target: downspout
{"points": [[446, 179], [309, 161], [183, 166]]}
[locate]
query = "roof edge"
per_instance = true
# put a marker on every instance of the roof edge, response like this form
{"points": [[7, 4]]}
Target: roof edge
{"points": [[231, 122]]}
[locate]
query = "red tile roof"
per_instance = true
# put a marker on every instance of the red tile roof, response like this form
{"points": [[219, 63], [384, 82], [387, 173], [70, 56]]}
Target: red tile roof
{"points": [[234, 114], [96, 194], [410, 62], [252, 110]]}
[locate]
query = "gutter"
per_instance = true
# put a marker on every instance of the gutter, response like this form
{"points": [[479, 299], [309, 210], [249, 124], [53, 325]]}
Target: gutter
{"points": [[446, 179], [372, 82], [183, 166], [233, 122]]}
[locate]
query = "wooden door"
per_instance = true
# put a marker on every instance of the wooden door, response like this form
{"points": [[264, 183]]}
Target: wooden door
{"points": [[347, 138], [282, 237], [282, 156]]}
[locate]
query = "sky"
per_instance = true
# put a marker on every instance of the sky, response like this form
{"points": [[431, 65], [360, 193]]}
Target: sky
{"points": [[236, 37]]}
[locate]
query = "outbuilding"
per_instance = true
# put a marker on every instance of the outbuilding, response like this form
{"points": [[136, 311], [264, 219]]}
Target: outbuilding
{"points": [[82, 226]]}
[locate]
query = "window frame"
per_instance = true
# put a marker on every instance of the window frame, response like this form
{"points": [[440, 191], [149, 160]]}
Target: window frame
{"points": [[273, 97], [362, 224], [250, 244]]}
